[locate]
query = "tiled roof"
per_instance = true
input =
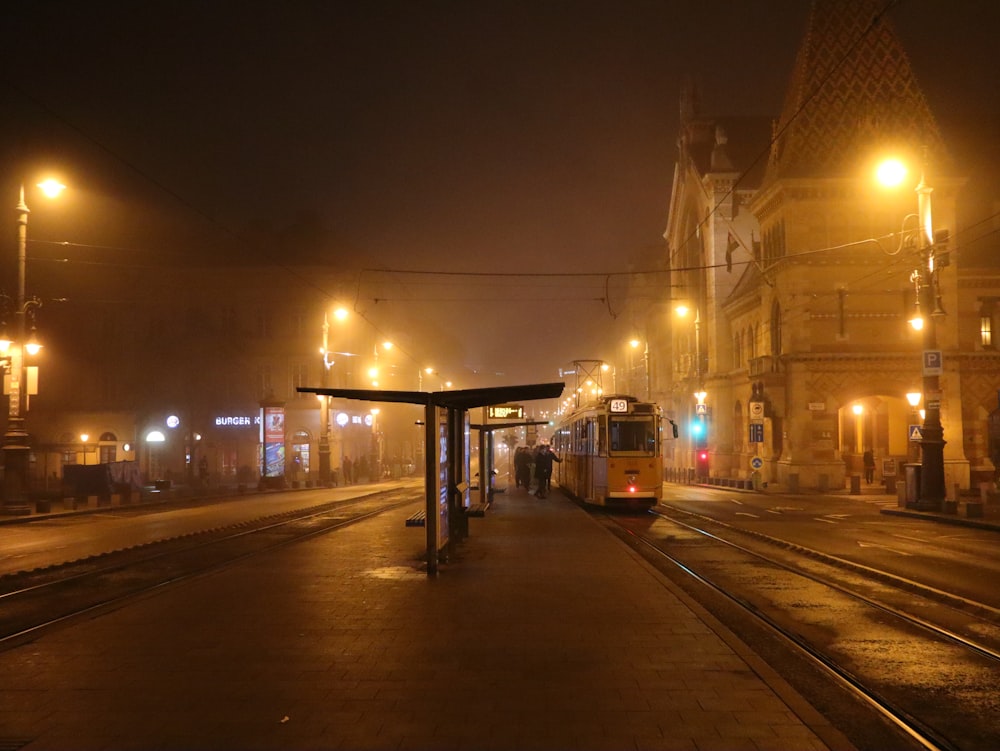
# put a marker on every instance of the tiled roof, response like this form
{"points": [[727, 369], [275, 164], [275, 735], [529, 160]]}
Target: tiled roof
{"points": [[852, 92]]}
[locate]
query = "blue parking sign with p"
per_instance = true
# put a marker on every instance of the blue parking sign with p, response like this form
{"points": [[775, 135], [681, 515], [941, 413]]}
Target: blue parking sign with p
{"points": [[933, 362]]}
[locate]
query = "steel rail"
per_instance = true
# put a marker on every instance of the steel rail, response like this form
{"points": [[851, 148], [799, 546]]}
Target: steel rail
{"points": [[924, 736], [902, 615], [12, 639]]}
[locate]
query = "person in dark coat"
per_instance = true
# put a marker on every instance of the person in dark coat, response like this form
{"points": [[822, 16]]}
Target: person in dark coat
{"points": [[869, 461], [543, 469], [522, 468]]}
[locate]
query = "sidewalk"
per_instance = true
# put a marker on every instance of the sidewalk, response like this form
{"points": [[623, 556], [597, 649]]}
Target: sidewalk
{"points": [[545, 632]]}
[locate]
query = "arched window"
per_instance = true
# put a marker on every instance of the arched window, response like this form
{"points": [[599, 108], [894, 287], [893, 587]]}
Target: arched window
{"points": [[108, 437]]}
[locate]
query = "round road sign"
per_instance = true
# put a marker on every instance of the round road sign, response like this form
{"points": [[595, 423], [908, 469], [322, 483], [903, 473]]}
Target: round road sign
{"points": [[756, 462]]}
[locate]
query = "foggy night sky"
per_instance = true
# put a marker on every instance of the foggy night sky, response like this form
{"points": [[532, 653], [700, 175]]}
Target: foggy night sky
{"points": [[469, 136]]}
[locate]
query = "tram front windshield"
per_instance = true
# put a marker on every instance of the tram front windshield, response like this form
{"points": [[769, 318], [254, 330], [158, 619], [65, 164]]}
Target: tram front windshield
{"points": [[633, 435]]}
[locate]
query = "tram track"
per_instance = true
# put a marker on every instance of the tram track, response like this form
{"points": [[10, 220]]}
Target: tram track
{"points": [[33, 602], [925, 660]]}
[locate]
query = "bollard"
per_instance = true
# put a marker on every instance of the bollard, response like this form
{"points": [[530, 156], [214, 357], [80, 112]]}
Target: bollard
{"points": [[855, 484]]}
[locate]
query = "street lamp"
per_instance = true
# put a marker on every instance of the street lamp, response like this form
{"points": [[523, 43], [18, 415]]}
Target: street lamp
{"points": [[376, 447], [859, 427], [16, 450], [682, 311], [340, 314], [913, 398], [933, 250], [700, 424], [634, 344]]}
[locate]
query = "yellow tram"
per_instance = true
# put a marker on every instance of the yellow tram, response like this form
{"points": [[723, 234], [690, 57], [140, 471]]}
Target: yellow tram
{"points": [[611, 453]]}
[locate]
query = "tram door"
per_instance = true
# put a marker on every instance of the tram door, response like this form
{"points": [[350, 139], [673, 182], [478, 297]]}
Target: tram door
{"points": [[597, 450]]}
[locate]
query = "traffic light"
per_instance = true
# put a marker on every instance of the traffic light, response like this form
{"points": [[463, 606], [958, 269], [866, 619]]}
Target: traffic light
{"points": [[702, 463], [698, 432]]}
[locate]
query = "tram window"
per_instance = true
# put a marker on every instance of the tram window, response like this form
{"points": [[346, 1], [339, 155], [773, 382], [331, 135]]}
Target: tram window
{"points": [[633, 435], [602, 437]]}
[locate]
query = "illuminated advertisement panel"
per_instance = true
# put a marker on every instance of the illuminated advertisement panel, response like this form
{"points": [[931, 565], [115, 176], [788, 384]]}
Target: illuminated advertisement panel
{"points": [[272, 430], [467, 462], [442, 477]]}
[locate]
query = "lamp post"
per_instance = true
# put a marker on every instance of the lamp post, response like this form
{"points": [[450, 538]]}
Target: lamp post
{"points": [[324, 408], [16, 450], [700, 425], [376, 447], [932, 433], [913, 399], [327, 361], [925, 278], [682, 311], [634, 344]]}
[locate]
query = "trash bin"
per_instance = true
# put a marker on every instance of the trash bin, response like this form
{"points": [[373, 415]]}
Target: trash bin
{"points": [[855, 484], [911, 473]]}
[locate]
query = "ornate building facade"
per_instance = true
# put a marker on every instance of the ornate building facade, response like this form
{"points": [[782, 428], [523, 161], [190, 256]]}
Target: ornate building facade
{"points": [[804, 276]]}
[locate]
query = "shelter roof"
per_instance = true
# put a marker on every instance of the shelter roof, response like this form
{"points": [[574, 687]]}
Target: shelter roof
{"points": [[457, 399]]}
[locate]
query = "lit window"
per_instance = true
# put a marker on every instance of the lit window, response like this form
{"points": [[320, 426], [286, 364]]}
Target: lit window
{"points": [[986, 330]]}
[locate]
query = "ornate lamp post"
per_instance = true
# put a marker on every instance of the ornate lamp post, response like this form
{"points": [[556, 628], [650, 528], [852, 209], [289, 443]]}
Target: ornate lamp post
{"points": [[16, 450], [634, 344], [699, 428], [933, 251]]}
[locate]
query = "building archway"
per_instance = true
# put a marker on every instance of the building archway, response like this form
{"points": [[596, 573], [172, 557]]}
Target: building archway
{"points": [[882, 424]]}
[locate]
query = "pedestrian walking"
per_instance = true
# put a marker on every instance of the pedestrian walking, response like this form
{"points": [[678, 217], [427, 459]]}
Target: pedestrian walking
{"points": [[869, 461], [543, 469], [522, 468]]}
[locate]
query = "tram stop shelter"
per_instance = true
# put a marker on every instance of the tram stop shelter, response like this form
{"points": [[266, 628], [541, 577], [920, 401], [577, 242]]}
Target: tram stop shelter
{"points": [[446, 460]]}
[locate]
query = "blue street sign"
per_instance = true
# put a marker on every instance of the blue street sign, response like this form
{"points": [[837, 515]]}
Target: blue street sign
{"points": [[915, 433], [933, 362]]}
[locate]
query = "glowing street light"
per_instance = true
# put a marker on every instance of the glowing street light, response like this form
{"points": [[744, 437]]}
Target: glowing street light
{"points": [[682, 310], [16, 450], [340, 314], [933, 249]]}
